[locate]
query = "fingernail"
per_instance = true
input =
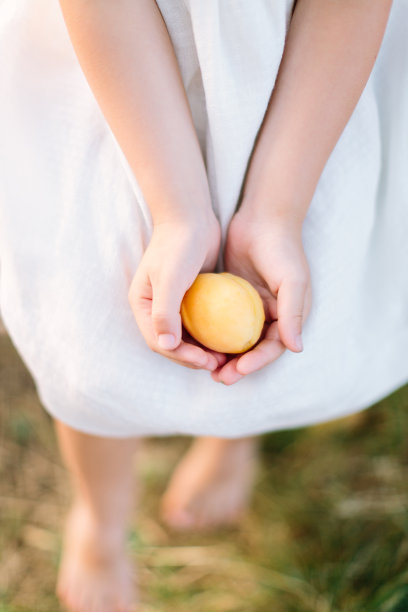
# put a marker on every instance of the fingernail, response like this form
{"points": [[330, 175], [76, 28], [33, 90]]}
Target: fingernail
{"points": [[299, 343], [167, 342]]}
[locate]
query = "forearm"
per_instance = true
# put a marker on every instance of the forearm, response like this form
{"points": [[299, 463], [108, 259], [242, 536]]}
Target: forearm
{"points": [[330, 51], [127, 57]]}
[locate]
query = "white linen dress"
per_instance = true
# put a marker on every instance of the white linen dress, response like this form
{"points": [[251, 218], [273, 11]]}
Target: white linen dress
{"points": [[74, 225]]}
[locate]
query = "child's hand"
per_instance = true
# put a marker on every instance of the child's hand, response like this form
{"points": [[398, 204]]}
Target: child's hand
{"points": [[270, 255], [176, 254]]}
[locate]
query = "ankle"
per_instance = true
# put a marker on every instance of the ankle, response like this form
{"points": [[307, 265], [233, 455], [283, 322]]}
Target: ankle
{"points": [[100, 523]]}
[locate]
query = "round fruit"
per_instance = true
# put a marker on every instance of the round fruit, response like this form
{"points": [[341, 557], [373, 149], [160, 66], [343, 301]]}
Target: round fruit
{"points": [[223, 312]]}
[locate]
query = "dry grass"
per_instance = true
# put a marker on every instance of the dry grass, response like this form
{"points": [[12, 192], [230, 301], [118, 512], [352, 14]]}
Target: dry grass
{"points": [[327, 531]]}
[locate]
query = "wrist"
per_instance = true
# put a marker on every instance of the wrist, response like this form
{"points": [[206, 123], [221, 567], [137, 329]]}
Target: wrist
{"points": [[280, 184], [194, 212], [274, 211], [196, 220]]}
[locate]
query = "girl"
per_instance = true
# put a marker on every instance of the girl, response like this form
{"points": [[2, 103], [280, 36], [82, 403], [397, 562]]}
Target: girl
{"points": [[144, 142]]}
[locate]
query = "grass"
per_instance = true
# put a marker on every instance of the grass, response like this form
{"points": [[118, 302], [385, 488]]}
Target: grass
{"points": [[327, 530]]}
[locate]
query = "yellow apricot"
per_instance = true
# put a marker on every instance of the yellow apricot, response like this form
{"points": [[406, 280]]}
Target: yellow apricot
{"points": [[223, 312]]}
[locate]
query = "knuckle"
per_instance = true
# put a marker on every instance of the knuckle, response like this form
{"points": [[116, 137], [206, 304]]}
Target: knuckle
{"points": [[134, 291], [131, 293], [160, 317], [135, 304]]}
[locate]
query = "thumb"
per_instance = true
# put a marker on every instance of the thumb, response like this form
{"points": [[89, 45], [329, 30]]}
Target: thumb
{"points": [[290, 311], [166, 319]]}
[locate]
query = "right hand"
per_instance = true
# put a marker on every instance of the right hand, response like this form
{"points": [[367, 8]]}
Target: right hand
{"points": [[178, 251]]}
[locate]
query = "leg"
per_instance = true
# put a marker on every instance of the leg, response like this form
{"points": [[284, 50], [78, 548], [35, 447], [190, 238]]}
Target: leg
{"points": [[212, 484], [95, 574]]}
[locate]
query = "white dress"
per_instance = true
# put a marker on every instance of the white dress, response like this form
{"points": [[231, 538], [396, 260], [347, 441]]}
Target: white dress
{"points": [[74, 224]]}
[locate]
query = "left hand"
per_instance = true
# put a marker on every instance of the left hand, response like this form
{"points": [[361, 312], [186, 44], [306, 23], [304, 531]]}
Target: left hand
{"points": [[269, 254]]}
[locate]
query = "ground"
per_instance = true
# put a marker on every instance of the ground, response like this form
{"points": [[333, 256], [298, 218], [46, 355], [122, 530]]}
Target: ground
{"points": [[327, 530]]}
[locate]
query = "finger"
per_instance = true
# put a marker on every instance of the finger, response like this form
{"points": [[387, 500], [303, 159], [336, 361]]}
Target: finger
{"points": [[227, 374], [161, 302], [269, 349], [290, 309], [190, 355], [140, 298], [166, 300], [271, 311], [220, 357], [185, 353]]}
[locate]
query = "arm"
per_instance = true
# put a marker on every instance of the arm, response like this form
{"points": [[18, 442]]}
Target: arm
{"points": [[127, 57], [329, 54], [330, 51]]}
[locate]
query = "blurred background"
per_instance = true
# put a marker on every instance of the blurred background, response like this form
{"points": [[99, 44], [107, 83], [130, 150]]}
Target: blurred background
{"points": [[327, 530]]}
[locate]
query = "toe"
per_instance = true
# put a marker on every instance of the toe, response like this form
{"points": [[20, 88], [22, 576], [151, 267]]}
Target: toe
{"points": [[179, 519]]}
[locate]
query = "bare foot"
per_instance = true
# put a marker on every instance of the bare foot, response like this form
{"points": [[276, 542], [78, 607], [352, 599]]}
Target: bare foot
{"points": [[95, 574], [212, 484]]}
